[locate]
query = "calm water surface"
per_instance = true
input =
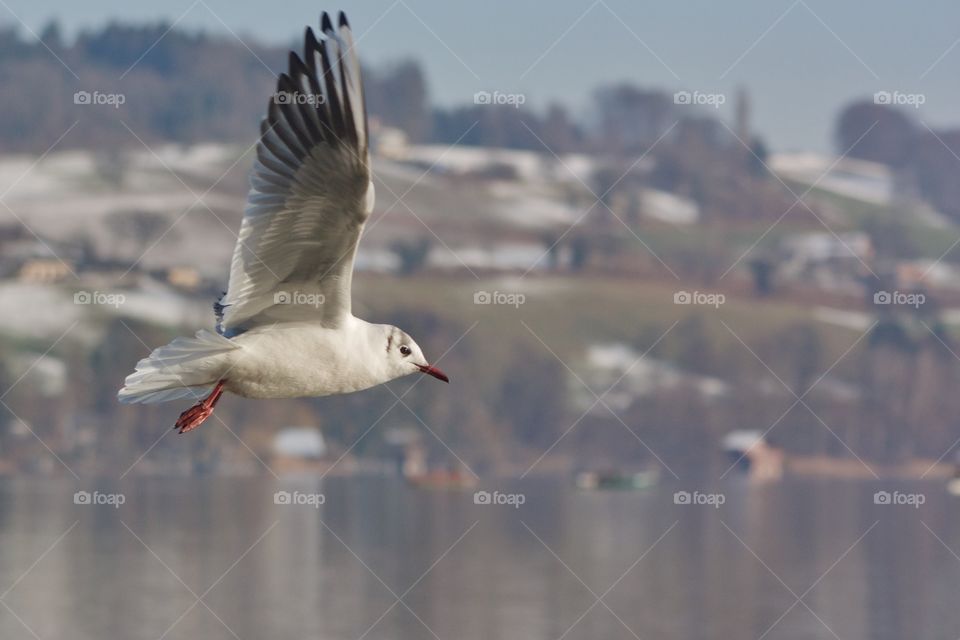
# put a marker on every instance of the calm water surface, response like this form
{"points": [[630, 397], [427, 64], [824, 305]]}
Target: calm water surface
{"points": [[217, 559]]}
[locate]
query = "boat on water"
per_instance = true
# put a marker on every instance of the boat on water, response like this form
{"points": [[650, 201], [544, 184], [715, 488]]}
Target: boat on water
{"points": [[953, 484], [751, 454], [953, 487], [416, 470], [609, 480]]}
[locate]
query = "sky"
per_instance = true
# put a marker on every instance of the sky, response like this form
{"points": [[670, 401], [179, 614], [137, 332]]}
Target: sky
{"points": [[801, 61]]}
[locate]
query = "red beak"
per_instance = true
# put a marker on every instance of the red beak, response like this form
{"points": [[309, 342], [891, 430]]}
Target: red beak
{"points": [[433, 371]]}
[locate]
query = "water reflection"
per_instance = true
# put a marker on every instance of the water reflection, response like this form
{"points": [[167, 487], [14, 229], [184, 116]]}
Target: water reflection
{"points": [[213, 558]]}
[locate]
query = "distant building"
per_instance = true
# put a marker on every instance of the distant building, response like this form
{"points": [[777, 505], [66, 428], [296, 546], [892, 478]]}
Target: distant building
{"points": [[389, 142], [669, 207], [408, 453], [305, 443], [184, 278], [47, 375], [632, 375], [861, 180], [825, 246], [44, 271], [833, 262], [919, 274]]}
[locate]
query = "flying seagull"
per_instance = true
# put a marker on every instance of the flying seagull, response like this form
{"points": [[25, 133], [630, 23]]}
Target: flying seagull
{"points": [[284, 325]]}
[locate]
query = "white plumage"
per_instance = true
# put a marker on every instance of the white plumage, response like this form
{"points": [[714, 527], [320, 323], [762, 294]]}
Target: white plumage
{"points": [[285, 327]]}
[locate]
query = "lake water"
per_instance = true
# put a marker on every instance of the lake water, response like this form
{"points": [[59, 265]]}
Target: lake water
{"points": [[218, 558]]}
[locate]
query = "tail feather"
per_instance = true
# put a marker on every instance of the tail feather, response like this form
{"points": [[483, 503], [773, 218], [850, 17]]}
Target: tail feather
{"points": [[187, 367]]}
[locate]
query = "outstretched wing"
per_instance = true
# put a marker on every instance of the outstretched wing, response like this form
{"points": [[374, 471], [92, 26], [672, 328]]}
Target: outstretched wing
{"points": [[310, 193]]}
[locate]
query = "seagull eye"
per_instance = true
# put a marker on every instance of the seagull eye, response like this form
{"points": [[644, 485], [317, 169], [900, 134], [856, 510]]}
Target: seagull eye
{"points": [[404, 350]]}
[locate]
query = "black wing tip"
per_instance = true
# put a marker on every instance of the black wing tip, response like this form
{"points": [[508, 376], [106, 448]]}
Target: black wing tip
{"points": [[297, 69], [310, 47], [294, 63], [331, 122], [326, 24], [273, 111]]}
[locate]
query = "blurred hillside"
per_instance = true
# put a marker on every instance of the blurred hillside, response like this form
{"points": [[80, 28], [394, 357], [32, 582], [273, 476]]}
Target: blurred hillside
{"points": [[621, 287]]}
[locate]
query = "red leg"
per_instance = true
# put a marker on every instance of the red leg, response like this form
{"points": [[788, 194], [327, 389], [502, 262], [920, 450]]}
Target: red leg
{"points": [[195, 415]]}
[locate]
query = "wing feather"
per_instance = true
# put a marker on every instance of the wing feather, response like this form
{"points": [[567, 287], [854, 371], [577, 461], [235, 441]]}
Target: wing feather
{"points": [[310, 192]]}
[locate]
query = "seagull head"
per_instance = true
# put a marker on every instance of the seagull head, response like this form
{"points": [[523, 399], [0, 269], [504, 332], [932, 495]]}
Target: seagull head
{"points": [[404, 356]]}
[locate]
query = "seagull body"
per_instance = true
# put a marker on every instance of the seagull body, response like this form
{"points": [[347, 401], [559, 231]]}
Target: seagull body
{"points": [[316, 362], [284, 326]]}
